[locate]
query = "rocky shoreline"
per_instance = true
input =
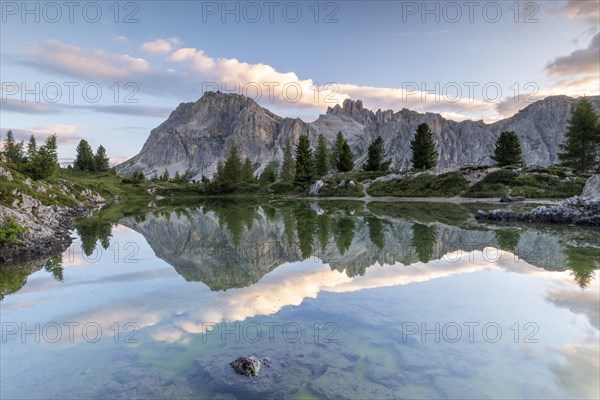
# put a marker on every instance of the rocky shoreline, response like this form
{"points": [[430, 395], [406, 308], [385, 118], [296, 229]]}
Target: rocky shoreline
{"points": [[578, 210], [47, 229], [47, 226]]}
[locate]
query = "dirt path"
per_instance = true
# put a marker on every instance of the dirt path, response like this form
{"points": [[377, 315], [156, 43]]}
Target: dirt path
{"points": [[456, 200]]}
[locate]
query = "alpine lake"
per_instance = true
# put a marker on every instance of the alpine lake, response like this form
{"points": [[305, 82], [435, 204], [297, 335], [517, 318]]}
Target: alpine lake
{"points": [[339, 299]]}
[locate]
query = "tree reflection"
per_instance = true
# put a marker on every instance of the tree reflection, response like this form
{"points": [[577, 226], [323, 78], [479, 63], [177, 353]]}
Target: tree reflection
{"points": [[376, 231], [582, 261], [423, 240], [305, 230], [289, 227], [14, 277], [54, 267], [244, 244], [343, 233], [234, 217], [323, 231], [91, 231]]}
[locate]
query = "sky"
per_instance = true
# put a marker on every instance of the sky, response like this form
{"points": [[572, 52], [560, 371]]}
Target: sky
{"points": [[109, 72]]}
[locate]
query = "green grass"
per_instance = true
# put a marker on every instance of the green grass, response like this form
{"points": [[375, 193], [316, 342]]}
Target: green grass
{"points": [[530, 183], [48, 193], [106, 184], [281, 187], [546, 185], [426, 185], [561, 172]]}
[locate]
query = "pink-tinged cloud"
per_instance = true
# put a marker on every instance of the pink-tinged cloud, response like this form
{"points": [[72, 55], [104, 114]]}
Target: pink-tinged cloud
{"points": [[118, 160], [64, 133], [589, 10], [88, 64], [192, 72]]}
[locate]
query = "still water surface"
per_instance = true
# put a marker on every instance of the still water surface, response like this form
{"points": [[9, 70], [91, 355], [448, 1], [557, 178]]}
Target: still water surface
{"points": [[347, 300]]}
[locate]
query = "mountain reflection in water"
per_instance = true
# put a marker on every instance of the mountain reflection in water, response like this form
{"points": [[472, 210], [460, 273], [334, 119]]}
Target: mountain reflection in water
{"points": [[360, 271]]}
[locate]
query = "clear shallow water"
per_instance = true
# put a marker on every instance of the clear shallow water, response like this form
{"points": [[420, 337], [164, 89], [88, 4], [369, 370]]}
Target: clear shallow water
{"points": [[347, 300]]}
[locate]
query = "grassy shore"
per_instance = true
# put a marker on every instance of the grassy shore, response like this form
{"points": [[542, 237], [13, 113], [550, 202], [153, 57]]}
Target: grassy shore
{"points": [[531, 183], [70, 186]]}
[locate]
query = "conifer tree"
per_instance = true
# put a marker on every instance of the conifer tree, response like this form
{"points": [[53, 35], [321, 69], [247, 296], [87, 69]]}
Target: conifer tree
{"points": [[12, 151], [345, 161], [287, 167], [582, 139], [375, 161], [101, 160], [321, 158], [305, 169], [508, 150], [84, 158], [424, 155], [232, 168]]}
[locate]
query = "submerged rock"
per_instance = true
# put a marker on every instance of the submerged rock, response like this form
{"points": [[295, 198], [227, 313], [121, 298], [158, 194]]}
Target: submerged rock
{"points": [[249, 366]]}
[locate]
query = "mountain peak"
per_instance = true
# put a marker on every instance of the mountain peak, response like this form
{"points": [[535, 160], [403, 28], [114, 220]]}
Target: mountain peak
{"points": [[198, 135]]}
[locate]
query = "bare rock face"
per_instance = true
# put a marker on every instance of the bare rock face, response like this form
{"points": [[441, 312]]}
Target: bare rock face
{"points": [[592, 188], [198, 135]]}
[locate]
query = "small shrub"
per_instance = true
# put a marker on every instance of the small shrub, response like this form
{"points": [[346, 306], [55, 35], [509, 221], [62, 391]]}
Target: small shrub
{"points": [[504, 176], [282, 187], [10, 231]]}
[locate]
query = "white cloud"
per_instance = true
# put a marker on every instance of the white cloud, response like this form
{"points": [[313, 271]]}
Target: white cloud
{"points": [[167, 334], [578, 373], [586, 60], [159, 46], [183, 54], [120, 38], [192, 71]]}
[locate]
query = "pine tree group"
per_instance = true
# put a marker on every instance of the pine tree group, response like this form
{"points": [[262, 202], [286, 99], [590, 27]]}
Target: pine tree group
{"points": [[85, 160], [38, 163]]}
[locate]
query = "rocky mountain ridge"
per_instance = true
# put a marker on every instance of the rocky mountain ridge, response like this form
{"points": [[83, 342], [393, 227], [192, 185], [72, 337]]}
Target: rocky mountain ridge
{"points": [[198, 135]]}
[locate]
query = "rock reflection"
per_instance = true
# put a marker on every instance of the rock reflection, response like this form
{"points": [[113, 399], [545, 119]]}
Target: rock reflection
{"points": [[233, 244]]}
